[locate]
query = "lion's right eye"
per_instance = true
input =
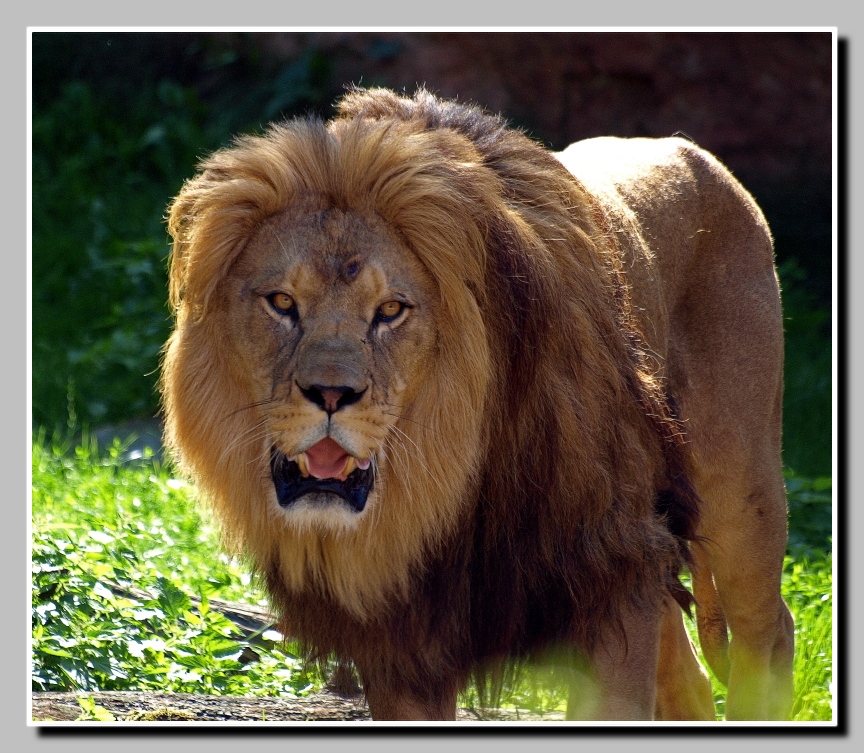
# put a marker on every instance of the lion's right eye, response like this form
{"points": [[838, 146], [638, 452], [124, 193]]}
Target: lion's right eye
{"points": [[282, 303], [389, 311]]}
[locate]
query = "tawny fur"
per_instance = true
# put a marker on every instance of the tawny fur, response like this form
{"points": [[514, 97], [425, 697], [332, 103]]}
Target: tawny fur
{"points": [[534, 476]]}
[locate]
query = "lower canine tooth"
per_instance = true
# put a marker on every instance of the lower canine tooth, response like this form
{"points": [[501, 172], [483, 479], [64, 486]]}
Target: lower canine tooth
{"points": [[303, 463]]}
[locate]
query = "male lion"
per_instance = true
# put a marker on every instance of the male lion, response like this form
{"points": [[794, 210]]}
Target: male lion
{"points": [[460, 399]]}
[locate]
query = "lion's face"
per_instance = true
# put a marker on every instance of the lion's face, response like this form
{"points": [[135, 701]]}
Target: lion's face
{"points": [[332, 324], [329, 380]]}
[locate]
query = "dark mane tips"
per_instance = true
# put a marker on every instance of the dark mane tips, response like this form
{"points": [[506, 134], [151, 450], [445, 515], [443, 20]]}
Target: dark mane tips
{"points": [[425, 108]]}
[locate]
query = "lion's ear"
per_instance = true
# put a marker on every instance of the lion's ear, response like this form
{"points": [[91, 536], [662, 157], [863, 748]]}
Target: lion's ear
{"points": [[179, 218], [209, 221]]}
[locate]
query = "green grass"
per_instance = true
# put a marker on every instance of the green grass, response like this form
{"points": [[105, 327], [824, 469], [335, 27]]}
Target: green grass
{"points": [[99, 523], [808, 592]]}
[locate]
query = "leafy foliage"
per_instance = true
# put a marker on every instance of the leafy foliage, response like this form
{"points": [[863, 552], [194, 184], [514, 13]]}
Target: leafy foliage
{"points": [[810, 514], [101, 529], [101, 181], [807, 395]]}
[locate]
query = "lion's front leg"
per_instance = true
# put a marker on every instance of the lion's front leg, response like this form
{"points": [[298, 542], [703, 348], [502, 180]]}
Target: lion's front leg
{"points": [[683, 689], [390, 701], [621, 682]]}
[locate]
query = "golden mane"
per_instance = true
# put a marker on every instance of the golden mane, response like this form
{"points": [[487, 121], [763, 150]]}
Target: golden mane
{"points": [[364, 166], [545, 438]]}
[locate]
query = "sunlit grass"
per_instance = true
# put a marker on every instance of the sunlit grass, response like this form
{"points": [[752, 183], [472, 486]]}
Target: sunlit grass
{"points": [[99, 522]]}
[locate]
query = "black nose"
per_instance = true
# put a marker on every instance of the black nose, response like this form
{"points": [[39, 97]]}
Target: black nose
{"points": [[331, 399]]}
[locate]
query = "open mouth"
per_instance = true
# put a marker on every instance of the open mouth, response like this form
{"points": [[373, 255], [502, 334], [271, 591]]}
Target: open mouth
{"points": [[324, 468]]}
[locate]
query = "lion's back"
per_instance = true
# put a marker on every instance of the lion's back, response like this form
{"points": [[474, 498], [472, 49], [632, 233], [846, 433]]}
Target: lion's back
{"points": [[692, 237]]}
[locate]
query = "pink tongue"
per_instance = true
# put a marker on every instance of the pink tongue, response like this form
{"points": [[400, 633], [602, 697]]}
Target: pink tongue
{"points": [[326, 459]]}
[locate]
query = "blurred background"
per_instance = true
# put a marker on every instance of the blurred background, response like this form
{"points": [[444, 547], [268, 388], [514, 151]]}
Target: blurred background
{"points": [[120, 119]]}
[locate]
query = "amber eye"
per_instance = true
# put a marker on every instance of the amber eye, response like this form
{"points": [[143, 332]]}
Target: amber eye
{"points": [[387, 312], [282, 303]]}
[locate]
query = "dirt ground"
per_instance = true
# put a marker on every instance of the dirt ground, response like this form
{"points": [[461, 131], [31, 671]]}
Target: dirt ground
{"points": [[187, 707]]}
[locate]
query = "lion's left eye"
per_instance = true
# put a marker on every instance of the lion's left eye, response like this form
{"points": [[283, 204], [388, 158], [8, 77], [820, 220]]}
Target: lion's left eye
{"points": [[387, 312], [282, 303]]}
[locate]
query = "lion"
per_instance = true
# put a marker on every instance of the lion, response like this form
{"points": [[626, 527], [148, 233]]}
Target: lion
{"points": [[463, 401]]}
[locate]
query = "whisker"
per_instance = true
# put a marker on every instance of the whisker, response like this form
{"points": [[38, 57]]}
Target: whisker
{"points": [[376, 474], [409, 420], [248, 437], [250, 406], [418, 457]]}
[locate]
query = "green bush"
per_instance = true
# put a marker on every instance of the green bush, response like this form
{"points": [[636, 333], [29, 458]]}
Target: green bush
{"points": [[116, 130], [101, 181], [808, 387], [810, 514]]}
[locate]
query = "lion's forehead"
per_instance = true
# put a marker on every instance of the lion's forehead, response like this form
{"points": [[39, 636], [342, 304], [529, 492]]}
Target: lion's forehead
{"points": [[329, 254], [329, 238]]}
